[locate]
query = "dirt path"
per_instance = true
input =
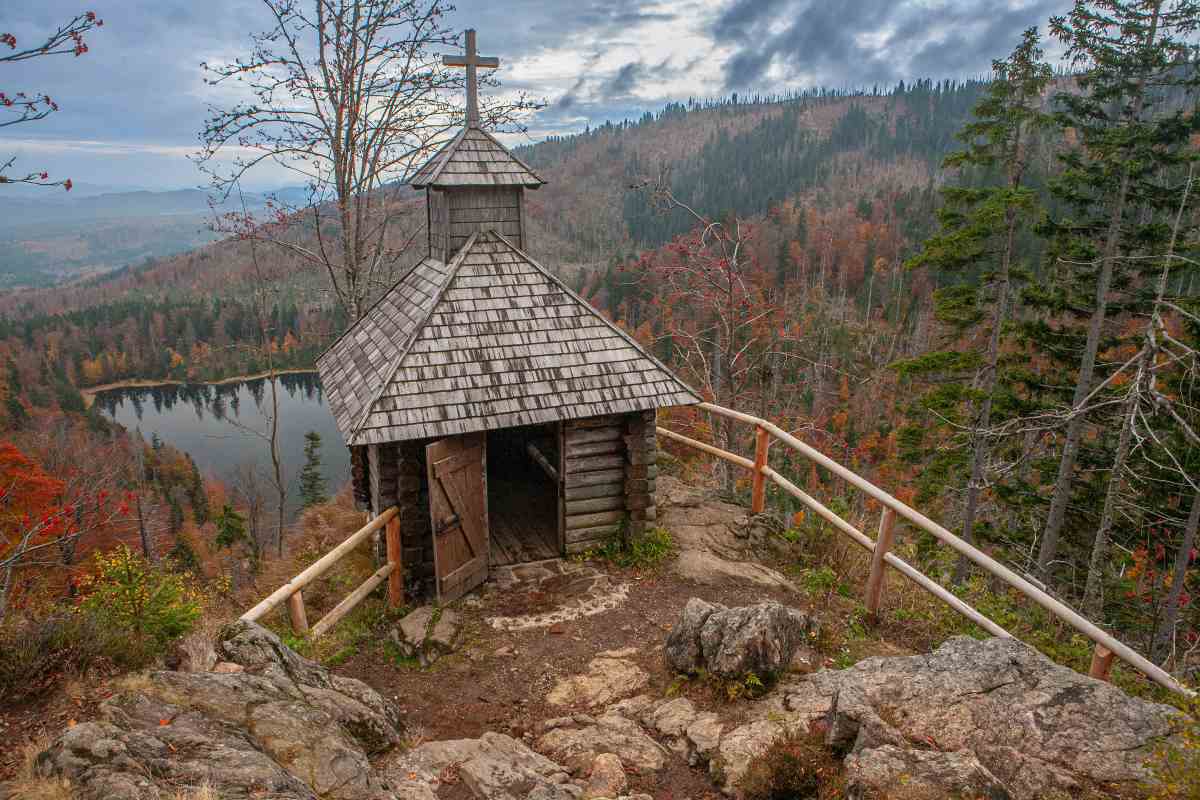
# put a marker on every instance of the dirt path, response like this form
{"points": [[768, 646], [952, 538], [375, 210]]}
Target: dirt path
{"points": [[498, 680]]}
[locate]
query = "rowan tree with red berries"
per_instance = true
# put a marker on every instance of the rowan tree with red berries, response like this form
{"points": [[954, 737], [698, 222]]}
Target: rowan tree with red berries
{"points": [[31, 106]]}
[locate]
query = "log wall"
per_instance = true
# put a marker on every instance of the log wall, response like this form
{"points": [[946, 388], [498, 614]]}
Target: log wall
{"points": [[397, 477], [641, 470], [482, 208], [593, 472]]}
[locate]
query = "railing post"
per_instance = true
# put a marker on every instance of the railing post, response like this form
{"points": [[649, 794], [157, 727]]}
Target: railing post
{"points": [[883, 543], [758, 492], [395, 557], [296, 612], [1102, 659]]}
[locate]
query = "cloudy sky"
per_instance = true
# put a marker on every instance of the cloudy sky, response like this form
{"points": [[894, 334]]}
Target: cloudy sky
{"points": [[131, 107]]}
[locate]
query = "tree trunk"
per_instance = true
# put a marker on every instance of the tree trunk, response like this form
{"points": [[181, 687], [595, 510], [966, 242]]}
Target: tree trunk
{"points": [[142, 532], [979, 452], [1183, 557], [1093, 593], [1083, 385]]}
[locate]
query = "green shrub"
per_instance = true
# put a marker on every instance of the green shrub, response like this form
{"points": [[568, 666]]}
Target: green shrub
{"points": [[148, 603], [643, 552], [1175, 765], [36, 652]]}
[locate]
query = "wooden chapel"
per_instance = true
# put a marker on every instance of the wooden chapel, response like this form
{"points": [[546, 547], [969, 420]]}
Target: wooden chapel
{"points": [[504, 416]]}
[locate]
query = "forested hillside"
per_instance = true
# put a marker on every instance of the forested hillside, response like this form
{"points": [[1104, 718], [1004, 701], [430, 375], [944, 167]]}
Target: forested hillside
{"points": [[982, 295]]}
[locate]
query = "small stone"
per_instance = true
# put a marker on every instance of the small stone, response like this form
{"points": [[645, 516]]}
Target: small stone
{"points": [[506, 650], [228, 668], [607, 778], [606, 680], [415, 626]]}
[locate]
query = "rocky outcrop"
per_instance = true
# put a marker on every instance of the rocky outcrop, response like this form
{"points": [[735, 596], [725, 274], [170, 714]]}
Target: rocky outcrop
{"points": [[733, 642], [994, 713], [281, 727], [875, 774], [494, 766]]}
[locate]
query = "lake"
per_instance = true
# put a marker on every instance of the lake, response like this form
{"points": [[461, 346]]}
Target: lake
{"points": [[214, 423]]}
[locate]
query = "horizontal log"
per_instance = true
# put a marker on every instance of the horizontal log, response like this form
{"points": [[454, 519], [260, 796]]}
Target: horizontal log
{"points": [[614, 489], [598, 534], [594, 463], [574, 507], [319, 567], [580, 521], [593, 478], [582, 435], [582, 449], [595, 422], [353, 599], [579, 548], [542, 461]]}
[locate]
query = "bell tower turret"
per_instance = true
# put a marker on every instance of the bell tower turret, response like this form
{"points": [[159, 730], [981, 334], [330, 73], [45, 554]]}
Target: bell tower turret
{"points": [[474, 183]]}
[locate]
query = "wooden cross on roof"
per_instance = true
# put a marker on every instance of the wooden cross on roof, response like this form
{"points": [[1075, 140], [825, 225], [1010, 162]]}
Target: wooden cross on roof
{"points": [[471, 60]]}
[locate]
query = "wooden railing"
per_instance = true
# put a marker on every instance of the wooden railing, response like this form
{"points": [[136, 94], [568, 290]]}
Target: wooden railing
{"points": [[292, 591], [1105, 645]]}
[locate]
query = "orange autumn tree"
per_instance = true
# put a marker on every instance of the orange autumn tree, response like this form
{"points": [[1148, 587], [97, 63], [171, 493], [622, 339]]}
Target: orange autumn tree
{"points": [[30, 517], [45, 518]]}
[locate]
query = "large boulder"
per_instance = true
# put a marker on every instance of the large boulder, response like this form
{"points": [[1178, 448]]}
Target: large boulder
{"points": [[733, 642], [281, 725], [995, 710]]}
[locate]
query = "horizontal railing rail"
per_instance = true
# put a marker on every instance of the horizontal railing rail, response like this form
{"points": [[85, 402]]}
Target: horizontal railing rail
{"points": [[292, 591], [1106, 645]]}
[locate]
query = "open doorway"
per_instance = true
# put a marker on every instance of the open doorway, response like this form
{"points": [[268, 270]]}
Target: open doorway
{"points": [[522, 492]]}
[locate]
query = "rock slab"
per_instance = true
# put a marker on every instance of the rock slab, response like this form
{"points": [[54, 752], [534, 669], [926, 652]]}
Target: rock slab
{"points": [[993, 715], [282, 726]]}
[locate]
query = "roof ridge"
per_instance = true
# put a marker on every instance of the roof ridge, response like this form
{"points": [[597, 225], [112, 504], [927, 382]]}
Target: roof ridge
{"points": [[455, 264], [612, 325]]}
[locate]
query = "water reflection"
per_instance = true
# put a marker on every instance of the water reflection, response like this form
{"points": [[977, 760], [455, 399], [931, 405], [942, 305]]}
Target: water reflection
{"points": [[218, 424]]}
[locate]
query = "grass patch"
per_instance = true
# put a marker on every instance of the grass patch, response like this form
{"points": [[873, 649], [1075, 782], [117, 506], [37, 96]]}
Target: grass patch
{"points": [[31, 783], [750, 686], [647, 551]]}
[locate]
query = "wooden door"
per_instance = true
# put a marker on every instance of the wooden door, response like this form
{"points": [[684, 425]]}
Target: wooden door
{"points": [[458, 512]]}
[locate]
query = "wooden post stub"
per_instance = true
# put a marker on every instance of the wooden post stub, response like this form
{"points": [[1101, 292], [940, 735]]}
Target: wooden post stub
{"points": [[883, 543], [758, 494], [297, 613], [1102, 660], [395, 556]]}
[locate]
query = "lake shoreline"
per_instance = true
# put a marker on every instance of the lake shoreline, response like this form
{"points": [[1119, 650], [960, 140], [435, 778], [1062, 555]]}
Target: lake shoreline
{"points": [[89, 394]]}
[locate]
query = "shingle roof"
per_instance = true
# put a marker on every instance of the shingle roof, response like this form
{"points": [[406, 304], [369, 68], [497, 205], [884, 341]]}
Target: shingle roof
{"points": [[491, 340], [475, 158]]}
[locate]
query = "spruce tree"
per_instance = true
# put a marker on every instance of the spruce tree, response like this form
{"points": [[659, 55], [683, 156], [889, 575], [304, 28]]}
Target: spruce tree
{"points": [[312, 484], [980, 227], [1130, 53]]}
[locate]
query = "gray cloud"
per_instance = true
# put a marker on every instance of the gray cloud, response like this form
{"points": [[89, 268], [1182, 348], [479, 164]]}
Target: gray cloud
{"points": [[138, 99], [861, 42]]}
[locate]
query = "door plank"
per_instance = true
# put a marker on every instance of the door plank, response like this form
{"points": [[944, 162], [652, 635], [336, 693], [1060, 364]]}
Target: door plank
{"points": [[458, 512]]}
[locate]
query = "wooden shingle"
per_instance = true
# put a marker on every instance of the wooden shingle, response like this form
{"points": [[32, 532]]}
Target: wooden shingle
{"points": [[490, 340], [475, 158]]}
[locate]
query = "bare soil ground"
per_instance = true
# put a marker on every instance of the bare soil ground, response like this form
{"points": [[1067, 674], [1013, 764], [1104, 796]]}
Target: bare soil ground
{"points": [[498, 680]]}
